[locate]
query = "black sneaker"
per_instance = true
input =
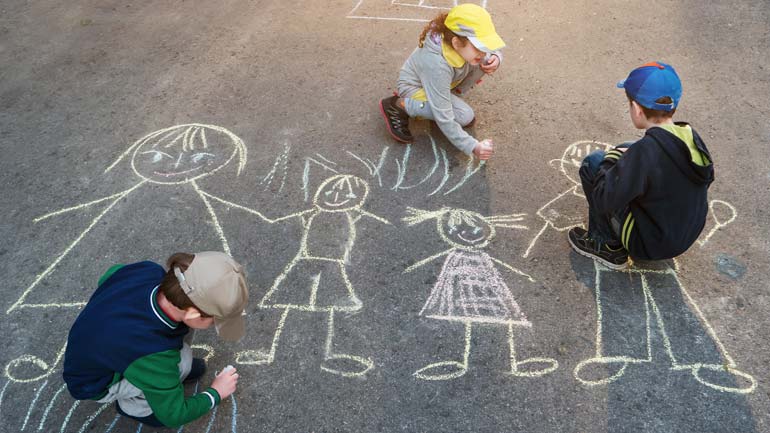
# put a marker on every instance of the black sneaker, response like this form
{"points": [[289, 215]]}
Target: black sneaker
{"points": [[396, 119], [582, 244]]}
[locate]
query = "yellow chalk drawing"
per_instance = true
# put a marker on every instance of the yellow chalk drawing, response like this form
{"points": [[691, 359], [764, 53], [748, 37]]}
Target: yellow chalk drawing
{"points": [[32, 361], [616, 365], [470, 290], [316, 279], [171, 156], [566, 209], [403, 10], [723, 214]]}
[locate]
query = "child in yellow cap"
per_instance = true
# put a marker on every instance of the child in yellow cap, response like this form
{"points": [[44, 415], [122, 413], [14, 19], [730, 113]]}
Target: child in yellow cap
{"points": [[455, 51]]}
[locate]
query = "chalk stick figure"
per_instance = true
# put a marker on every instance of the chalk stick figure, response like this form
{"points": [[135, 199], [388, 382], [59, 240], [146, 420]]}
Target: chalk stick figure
{"points": [[565, 210], [470, 290], [628, 303], [316, 279], [181, 154]]}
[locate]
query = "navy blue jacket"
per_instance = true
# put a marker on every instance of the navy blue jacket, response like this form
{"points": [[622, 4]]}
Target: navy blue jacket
{"points": [[665, 192]]}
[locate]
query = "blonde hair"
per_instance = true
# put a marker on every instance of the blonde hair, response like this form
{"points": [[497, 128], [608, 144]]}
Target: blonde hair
{"points": [[459, 216]]}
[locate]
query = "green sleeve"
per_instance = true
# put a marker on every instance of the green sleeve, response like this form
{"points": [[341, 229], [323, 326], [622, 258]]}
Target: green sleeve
{"points": [[108, 274], [157, 375]]}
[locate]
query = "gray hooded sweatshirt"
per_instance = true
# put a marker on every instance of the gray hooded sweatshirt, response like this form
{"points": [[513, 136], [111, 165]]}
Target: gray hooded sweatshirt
{"points": [[428, 73]]}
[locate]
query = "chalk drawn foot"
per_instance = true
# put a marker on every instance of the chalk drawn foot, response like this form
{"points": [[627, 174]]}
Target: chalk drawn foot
{"points": [[600, 371], [442, 371], [534, 367], [347, 365], [723, 377], [254, 357]]}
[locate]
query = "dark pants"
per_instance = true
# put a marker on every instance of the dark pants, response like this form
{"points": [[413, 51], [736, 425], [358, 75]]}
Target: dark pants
{"points": [[602, 227]]}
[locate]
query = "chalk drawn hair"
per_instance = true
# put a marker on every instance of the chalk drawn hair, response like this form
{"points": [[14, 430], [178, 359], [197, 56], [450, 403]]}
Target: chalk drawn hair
{"points": [[189, 136]]}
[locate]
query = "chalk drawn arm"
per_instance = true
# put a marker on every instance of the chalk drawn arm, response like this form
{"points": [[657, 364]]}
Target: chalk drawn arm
{"points": [[363, 213], [252, 211], [426, 260], [512, 269], [301, 215], [114, 197]]}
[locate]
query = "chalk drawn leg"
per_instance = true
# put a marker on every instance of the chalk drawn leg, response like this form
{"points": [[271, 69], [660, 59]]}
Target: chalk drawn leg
{"points": [[530, 367], [261, 357], [689, 340], [446, 370], [622, 327], [342, 364]]}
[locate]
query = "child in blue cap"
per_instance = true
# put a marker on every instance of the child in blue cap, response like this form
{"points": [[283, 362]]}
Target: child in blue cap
{"points": [[646, 199]]}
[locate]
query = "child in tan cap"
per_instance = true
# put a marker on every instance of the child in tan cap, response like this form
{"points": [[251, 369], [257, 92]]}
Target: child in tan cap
{"points": [[127, 344]]}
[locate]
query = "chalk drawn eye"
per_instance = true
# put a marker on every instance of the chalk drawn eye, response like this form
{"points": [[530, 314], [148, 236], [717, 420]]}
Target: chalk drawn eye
{"points": [[351, 195], [328, 193], [198, 157], [476, 230], [157, 155]]}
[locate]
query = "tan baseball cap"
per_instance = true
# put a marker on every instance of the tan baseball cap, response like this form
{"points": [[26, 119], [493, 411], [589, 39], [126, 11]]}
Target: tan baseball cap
{"points": [[215, 283]]}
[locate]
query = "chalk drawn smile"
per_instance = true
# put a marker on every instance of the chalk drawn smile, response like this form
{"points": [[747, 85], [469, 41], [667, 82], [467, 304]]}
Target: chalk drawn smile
{"points": [[178, 172]]}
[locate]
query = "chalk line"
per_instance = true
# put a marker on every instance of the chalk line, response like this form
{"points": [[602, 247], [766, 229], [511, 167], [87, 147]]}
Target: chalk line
{"points": [[48, 408], [69, 415], [112, 425], [388, 19], [32, 405], [2, 394], [48, 370], [446, 172], [469, 171], [719, 224], [234, 420], [53, 265], [93, 417], [214, 218]]}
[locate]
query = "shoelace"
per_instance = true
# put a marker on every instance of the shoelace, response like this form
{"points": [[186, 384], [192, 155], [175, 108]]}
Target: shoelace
{"points": [[395, 118]]}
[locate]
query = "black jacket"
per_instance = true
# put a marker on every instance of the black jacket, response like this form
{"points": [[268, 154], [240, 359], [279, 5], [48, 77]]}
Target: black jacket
{"points": [[665, 192]]}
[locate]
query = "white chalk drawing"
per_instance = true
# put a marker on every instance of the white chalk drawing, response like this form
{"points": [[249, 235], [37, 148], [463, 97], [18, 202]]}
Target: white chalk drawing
{"points": [[280, 166], [616, 365], [723, 213], [44, 418], [472, 166], [316, 279], [171, 156], [321, 162], [567, 209], [25, 362], [403, 10], [470, 290]]}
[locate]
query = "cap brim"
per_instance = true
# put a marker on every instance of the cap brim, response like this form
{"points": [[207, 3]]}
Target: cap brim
{"points": [[231, 328], [621, 84], [487, 44]]}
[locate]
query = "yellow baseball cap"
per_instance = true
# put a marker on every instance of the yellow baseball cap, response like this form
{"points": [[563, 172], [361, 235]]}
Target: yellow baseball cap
{"points": [[474, 22], [215, 283]]}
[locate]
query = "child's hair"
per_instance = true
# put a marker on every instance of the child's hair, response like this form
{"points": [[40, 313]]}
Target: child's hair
{"points": [[649, 113], [169, 285], [436, 26]]}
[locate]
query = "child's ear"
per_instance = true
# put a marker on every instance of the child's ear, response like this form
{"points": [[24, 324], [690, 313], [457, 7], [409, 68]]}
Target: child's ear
{"points": [[191, 313]]}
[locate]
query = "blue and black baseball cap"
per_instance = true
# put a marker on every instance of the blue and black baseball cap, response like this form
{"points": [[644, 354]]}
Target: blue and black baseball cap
{"points": [[652, 81]]}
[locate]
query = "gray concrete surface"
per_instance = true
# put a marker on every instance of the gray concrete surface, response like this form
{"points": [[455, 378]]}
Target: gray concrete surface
{"points": [[298, 82]]}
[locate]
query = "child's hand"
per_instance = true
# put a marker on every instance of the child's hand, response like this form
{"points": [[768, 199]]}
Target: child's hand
{"points": [[491, 64], [484, 149], [225, 382]]}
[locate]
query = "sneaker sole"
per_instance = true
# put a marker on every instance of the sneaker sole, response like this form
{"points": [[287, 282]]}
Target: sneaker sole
{"points": [[387, 126], [610, 265]]}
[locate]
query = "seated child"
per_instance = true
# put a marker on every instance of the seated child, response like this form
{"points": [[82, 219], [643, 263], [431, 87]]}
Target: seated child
{"points": [[646, 199], [127, 344], [455, 51]]}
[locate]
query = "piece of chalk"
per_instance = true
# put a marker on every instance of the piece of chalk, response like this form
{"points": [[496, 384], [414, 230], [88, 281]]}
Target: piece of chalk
{"points": [[228, 368]]}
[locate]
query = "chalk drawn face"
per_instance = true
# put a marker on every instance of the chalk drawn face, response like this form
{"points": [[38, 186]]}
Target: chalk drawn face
{"points": [[184, 153], [465, 229], [573, 157], [341, 193]]}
